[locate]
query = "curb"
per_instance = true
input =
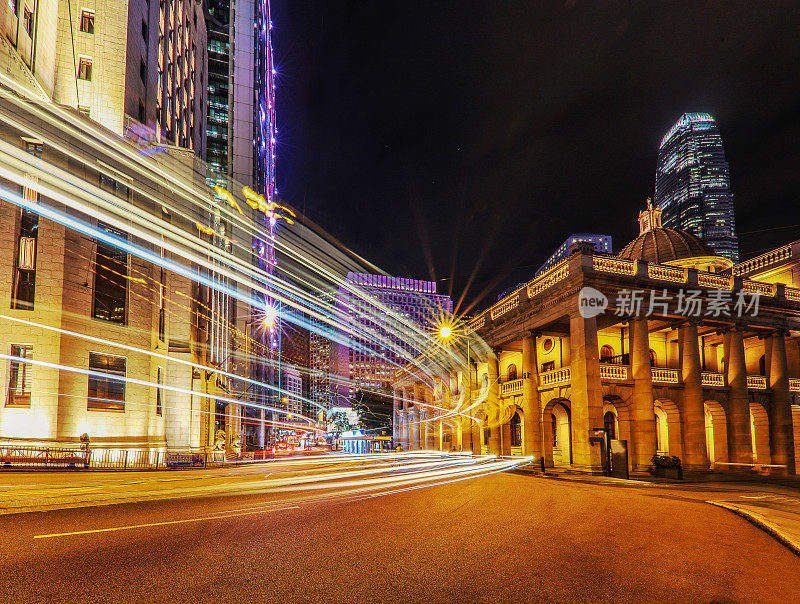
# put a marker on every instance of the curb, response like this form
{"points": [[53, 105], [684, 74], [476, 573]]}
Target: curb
{"points": [[765, 525]]}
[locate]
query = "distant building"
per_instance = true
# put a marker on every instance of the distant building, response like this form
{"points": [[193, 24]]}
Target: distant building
{"points": [[293, 384], [381, 307], [693, 183], [602, 244]]}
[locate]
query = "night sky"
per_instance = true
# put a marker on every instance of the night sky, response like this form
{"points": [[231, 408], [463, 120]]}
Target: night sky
{"points": [[444, 140]]}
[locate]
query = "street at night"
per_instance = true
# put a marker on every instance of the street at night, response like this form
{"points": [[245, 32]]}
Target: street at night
{"points": [[500, 537]]}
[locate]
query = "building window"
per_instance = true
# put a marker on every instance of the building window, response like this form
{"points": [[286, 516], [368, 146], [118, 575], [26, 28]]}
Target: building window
{"points": [[25, 278], [110, 279], [512, 372], [548, 366], [106, 393], [162, 314], [159, 394], [19, 386], [606, 354], [27, 20], [652, 358], [84, 110], [114, 186], [85, 69], [87, 21]]}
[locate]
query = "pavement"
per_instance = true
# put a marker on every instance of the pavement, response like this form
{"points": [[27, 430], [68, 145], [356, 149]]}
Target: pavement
{"points": [[497, 537], [771, 504]]}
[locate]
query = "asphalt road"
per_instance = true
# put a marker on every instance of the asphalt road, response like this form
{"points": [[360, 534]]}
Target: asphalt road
{"points": [[498, 538]]}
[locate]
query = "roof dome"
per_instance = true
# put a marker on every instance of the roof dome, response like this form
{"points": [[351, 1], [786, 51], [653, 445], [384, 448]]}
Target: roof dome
{"points": [[660, 245]]}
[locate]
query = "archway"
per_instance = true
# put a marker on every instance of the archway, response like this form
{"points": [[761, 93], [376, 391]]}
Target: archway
{"points": [[671, 430], [759, 433], [562, 435], [716, 433], [610, 424], [662, 431], [512, 373], [606, 353]]}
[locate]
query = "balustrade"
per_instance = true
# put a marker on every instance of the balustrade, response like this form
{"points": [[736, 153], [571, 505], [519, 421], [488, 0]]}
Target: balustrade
{"points": [[712, 379], [756, 382], [756, 287], [548, 279], [511, 388], [613, 372], [794, 384], [617, 266], [793, 294], [664, 376], [666, 273], [712, 280], [557, 376], [505, 306]]}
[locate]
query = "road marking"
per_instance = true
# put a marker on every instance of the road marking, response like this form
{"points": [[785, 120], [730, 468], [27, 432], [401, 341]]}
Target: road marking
{"points": [[134, 526]]}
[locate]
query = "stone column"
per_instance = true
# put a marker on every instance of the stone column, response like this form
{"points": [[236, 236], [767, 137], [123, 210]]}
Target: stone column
{"points": [[781, 435], [406, 432], [642, 413], [740, 446], [422, 412], [493, 404], [587, 393], [694, 426], [396, 429], [531, 405], [414, 442], [476, 438]]}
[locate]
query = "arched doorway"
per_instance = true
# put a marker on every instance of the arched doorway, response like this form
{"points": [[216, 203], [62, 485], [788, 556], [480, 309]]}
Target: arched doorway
{"points": [[610, 424], [759, 433], [716, 433], [562, 435], [515, 434], [606, 353], [662, 431], [512, 372]]}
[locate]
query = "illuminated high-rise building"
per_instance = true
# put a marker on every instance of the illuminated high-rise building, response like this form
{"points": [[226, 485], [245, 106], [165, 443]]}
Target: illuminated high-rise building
{"points": [[379, 310], [693, 183], [600, 243]]}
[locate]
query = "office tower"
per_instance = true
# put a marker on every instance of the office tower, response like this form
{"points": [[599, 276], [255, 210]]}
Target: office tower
{"points": [[600, 243], [379, 309], [693, 183]]}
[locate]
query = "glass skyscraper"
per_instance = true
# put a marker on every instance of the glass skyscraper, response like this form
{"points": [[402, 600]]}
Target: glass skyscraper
{"points": [[693, 183]]}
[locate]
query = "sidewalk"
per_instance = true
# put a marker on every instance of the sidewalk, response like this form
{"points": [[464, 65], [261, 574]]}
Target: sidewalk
{"points": [[772, 504]]}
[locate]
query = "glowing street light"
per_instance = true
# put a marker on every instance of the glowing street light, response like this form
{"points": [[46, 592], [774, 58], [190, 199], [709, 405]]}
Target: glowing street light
{"points": [[270, 316], [445, 331]]}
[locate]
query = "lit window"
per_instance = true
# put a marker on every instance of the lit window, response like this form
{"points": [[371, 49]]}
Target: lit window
{"points": [[19, 387], [87, 21], [85, 69], [159, 395], [106, 393]]}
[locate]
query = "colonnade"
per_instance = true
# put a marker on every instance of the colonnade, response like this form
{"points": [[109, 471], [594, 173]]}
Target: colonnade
{"points": [[422, 409]]}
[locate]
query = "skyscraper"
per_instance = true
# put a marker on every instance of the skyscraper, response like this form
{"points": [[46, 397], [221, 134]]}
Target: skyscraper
{"points": [[601, 243], [693, 183]]}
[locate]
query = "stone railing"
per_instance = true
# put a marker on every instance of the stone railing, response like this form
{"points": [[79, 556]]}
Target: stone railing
{"points": [[764, 260], [557, 376], [712, 280], [793, 294], [613, 372], [708, 378], [794, 384], [666, 273], [511, 388], [757, 287], [548, 279], [506, 305], [664, 376], [605, 264], [756, 382], [476, 323]]}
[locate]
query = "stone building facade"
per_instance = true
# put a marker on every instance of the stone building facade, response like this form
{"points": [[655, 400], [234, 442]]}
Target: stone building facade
{"points": [[550, 373]]}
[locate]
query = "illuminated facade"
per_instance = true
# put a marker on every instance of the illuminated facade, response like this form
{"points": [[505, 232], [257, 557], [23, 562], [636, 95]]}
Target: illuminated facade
{"points": [[368, 364], [600, 243], [551, 375], [137, 67], [693, 183]]}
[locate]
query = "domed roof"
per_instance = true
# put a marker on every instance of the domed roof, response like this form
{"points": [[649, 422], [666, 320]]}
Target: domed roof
{"points": [[660, 246]]}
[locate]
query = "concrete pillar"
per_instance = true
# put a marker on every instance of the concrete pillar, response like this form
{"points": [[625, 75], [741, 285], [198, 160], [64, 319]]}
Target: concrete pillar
{"points": [[531, 405], [421, 398], [694, 430], [740, 447], [493, 404], [587, 393], [781, 436], [642, 413]]}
